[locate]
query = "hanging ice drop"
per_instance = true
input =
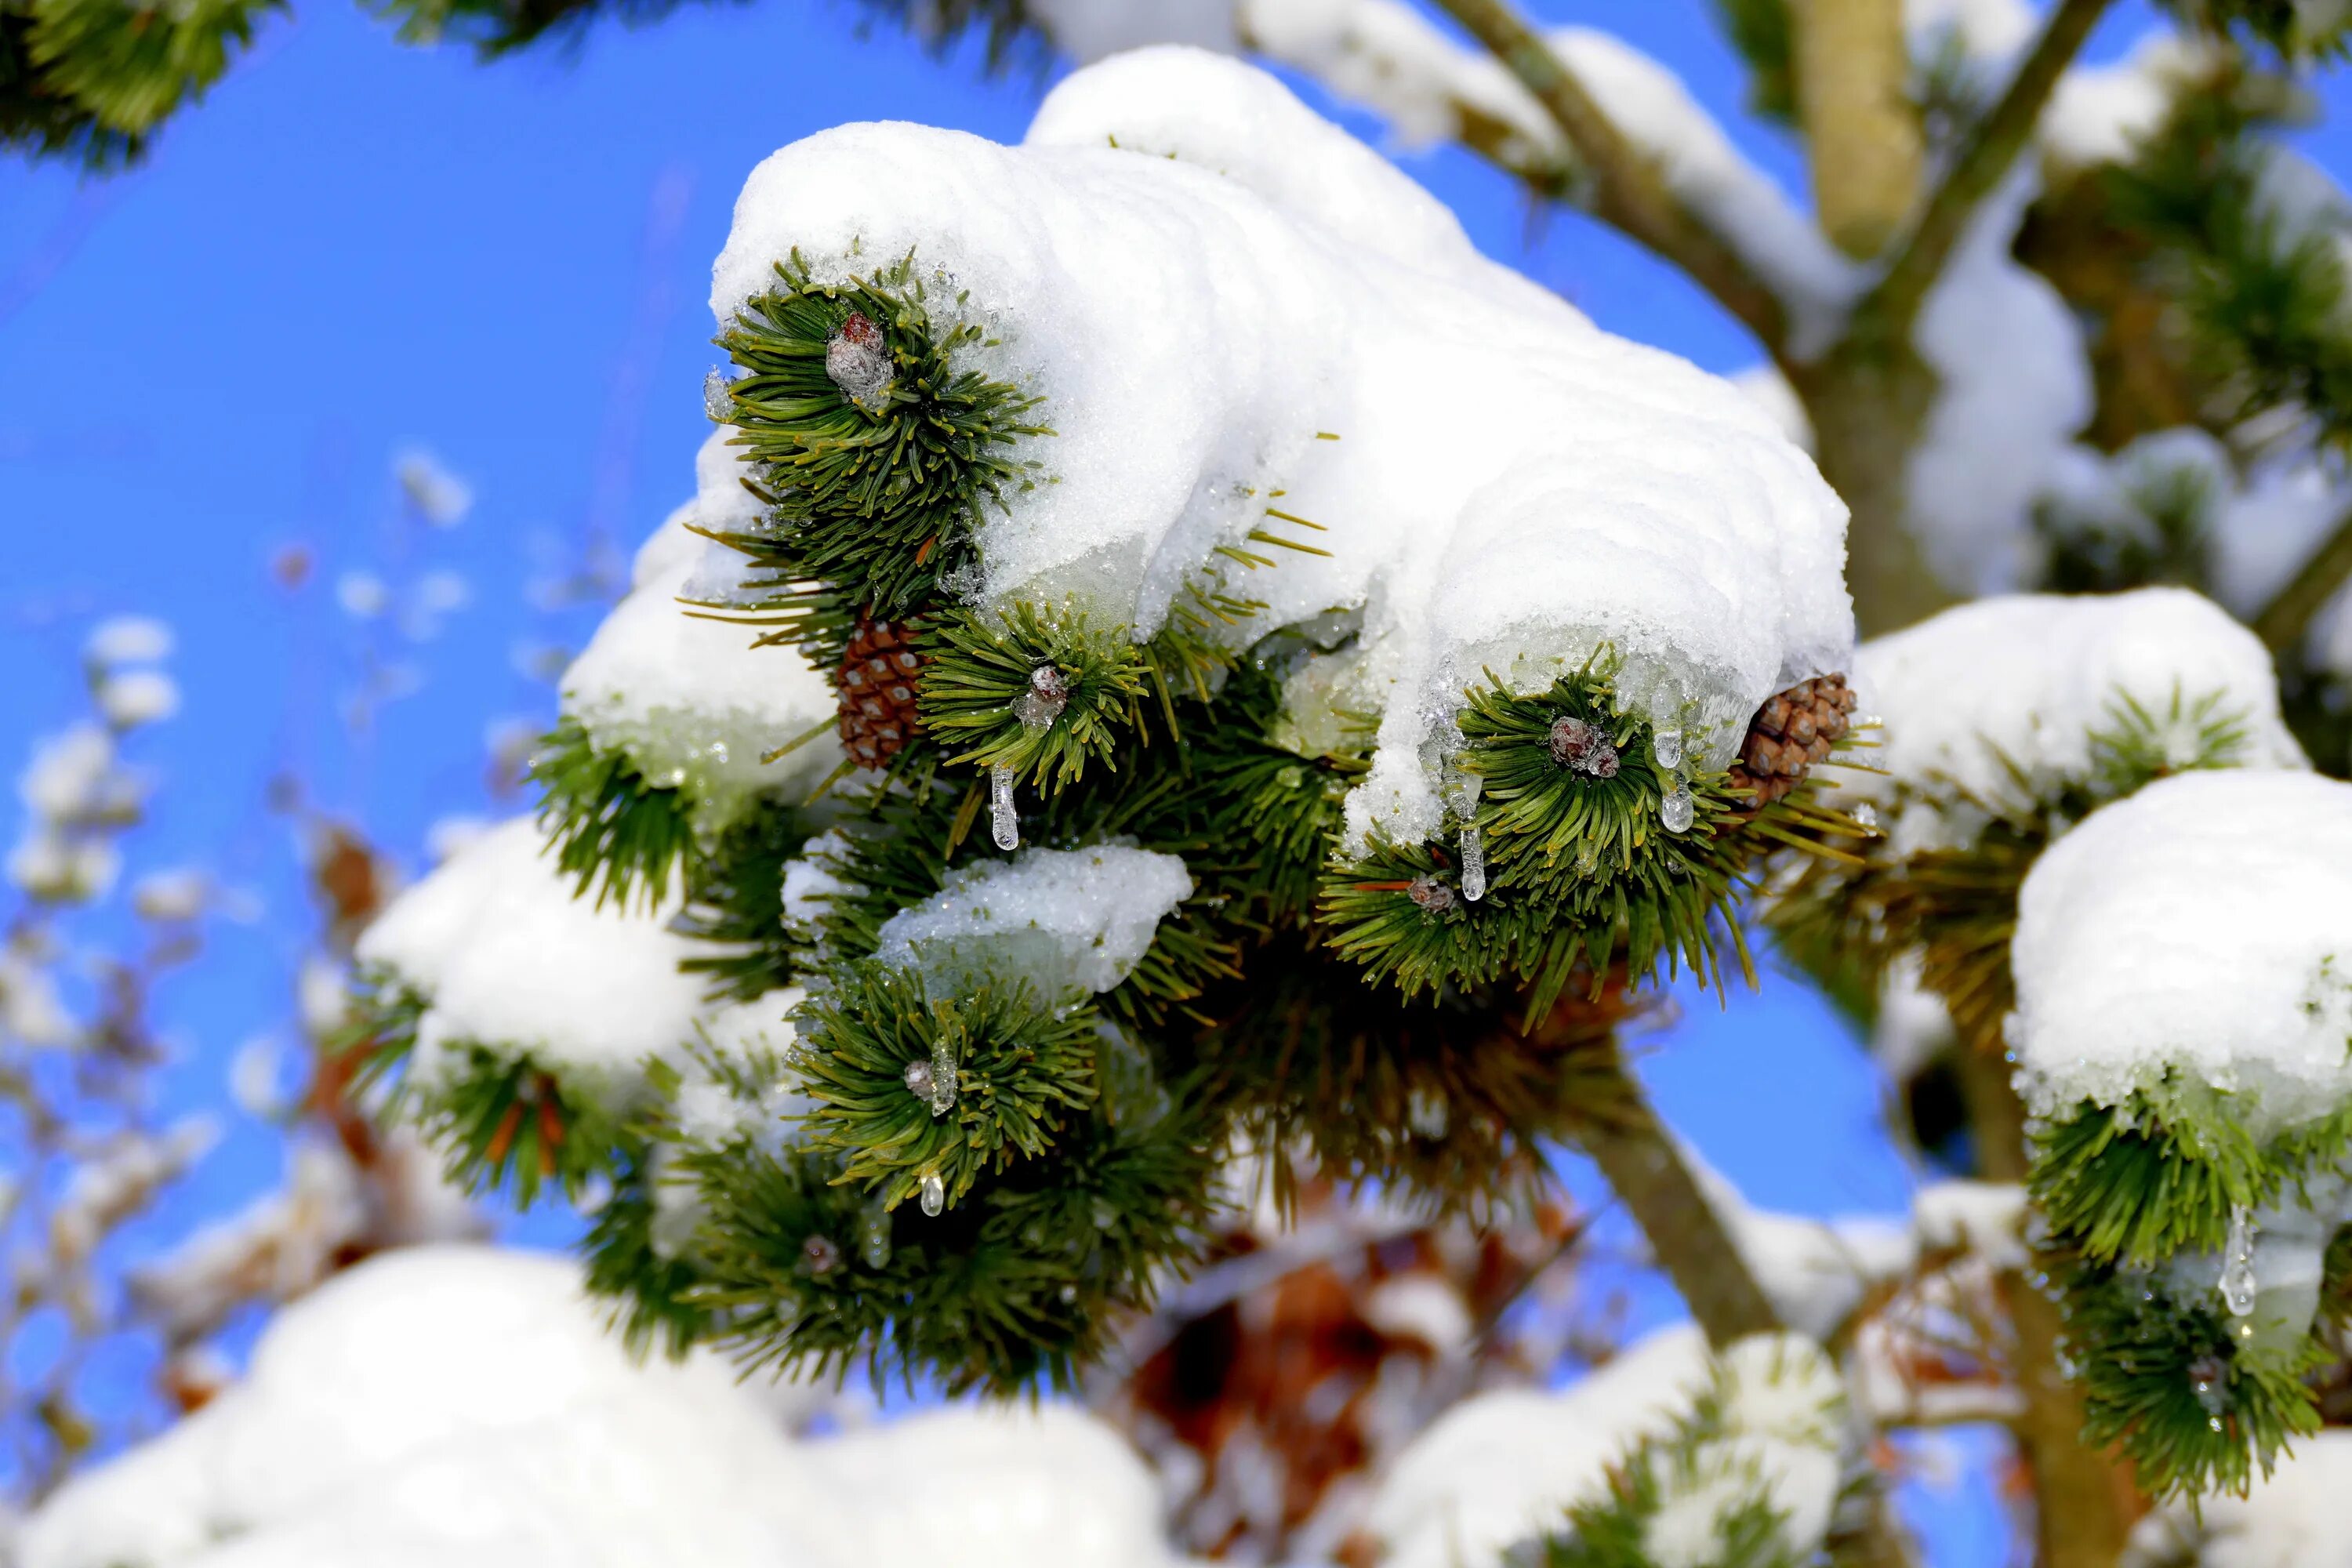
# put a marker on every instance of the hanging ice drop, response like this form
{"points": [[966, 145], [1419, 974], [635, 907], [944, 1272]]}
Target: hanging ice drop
{"points": [[2238, 1265], [1678, 809], [1667, 746], [717, 401], [874, 1235], [1474, 863], [2209, 1378], [935, 1194], [1003, 821]]}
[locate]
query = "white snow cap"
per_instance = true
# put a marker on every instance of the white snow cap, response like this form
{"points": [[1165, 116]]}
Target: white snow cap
{"points": [[1501, 1467], [2199, 931], [2292, 1518], [1065, 920], [1504, 1467], [508, 959], [2028, 677], [1508, 483], [689, 698], [467, 1405]]}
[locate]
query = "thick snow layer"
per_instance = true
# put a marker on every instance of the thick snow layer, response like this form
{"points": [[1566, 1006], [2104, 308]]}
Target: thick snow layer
{"points": [[464, 1405], [2100, 114], [2028, 678], [1989, 31], [1216, 114], [2294, 1518], [508, 959], [1062, 920], [1473, 415], [689, 698], [1782, 1401], [2200, 929], [2014, 387], [1501, 1467]]}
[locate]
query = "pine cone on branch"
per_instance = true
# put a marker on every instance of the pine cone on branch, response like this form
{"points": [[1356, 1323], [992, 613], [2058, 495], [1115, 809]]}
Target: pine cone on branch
{"points": [[1790, 733], [879, 680]]}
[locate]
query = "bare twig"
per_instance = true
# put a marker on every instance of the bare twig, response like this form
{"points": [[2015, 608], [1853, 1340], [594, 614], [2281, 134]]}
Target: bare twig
{"points": [[1984, 160], [1621, 185], [2282, 623], [1645, 1167]]}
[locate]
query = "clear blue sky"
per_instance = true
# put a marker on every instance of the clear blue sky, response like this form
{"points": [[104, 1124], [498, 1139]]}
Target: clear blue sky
{"points": [[353, 248]]}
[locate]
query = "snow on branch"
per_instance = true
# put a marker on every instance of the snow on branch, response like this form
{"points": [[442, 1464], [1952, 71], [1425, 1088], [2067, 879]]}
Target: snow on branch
{"points": [[455, 1403]]}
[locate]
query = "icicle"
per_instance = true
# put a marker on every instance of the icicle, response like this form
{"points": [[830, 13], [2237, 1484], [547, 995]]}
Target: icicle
{"points": [[1004, 820], [874, 1236], [2237, 1263], [1678, 809], [935, 1194], [717, 402], [1474, 863], [1667, 746]]}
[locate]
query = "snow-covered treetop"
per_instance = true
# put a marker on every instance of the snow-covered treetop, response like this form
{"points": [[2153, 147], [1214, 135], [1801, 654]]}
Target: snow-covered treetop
{"points": [[1490, 481], [1995, 703], [2198, 932]]}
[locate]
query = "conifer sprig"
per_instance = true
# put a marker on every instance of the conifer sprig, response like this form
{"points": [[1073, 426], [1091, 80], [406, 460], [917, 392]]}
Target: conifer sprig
{"points": [[614, 831], [2197, 1404], [1021, 1284], [878, 500], [1047, 696], [1012, 1068]]}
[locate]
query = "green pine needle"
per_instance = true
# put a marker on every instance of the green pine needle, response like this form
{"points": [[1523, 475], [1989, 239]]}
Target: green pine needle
{"points": [[1020, 1069], [614, 832]]}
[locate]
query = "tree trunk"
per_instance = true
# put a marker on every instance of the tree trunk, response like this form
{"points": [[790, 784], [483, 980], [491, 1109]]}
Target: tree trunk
{"points": [[1862, 134], [2083, 1500], [1868, 403]]}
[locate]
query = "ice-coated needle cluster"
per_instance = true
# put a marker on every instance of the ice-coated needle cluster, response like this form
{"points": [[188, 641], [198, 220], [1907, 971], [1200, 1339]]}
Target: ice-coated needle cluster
{"points": [[687, 698], [2196, 933], [1066, 921], [1220, 296]]}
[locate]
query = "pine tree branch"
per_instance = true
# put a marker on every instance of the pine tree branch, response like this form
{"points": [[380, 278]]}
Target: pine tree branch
{"points": [[1862, 134], [1622, 186], [1993, 147], [1645, 1167], [2282, 623]]}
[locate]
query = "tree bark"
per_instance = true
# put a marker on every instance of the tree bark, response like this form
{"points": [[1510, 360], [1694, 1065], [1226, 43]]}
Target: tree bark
{"points": [[2083, 1502], [1868, 401], [1862, 134], [1645, 1167]]}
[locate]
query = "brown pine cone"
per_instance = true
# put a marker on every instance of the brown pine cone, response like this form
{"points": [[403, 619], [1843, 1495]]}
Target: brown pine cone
{"points": [[1793, 730], [879, 677]]}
